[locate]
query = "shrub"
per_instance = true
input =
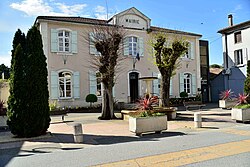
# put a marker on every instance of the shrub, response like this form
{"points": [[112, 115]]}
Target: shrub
{"points": [[242, 99], [91, 98], [147, 102], [183, 94], [53, 106], [1, 106]]}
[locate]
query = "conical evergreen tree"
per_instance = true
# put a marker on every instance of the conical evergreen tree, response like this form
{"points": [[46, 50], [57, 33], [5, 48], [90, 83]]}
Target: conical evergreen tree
{"points": [[16, 101], [38, 96]]}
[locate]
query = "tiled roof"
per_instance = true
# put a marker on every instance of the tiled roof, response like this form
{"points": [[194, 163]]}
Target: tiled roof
{"points": [[173, 31], [73, 19], [235, 27], [84, 20]]}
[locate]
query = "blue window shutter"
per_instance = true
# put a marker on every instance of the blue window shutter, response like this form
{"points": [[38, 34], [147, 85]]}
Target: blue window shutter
{"points": [[76, 85], [192, 50], [74, 42], [125, 46], [54, 40], [141, 47], [92, 82], [156, 90], [181, 82], [92, 49], [54, 85], [194, 84], [171, 87]]}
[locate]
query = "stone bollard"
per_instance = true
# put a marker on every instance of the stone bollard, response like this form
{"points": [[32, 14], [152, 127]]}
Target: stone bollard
{"points": [[78, 136], [197, 120]]}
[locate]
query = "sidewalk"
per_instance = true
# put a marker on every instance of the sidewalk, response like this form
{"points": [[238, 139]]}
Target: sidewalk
{"points": [[101, 132]]}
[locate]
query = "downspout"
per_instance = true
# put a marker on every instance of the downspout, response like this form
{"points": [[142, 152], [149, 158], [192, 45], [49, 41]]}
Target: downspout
{"points": [[227, 78]]}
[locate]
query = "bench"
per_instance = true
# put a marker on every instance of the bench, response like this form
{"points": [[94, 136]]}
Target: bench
{"points": [[193, 104], [61, 113], [126, 113]]}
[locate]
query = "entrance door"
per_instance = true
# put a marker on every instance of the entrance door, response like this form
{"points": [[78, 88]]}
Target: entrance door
{"points": [[133, 82]]}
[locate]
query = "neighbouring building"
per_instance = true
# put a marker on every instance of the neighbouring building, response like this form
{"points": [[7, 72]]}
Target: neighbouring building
{"points": [[71, 78], [236, 52], [204, 65]]}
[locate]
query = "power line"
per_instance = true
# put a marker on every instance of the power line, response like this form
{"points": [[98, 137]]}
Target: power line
{"points": [[107, 9], [215, 40]]}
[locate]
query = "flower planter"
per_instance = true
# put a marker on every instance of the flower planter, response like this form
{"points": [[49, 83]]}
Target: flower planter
{"points": [[147, 124], [240, 114], [227, 103]]}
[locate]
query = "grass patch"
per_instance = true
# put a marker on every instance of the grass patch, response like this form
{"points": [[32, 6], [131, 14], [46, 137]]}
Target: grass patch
{"points": [[243, 106]]}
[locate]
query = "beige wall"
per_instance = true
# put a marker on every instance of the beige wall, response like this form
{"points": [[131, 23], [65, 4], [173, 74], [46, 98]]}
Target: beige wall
{"points": [[81, 62]]}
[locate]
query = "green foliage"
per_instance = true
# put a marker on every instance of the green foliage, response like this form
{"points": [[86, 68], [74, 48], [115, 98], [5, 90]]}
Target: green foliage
{"points": [[6, 70], [53, 105], [147, 113], [215, 66], [242, 106], [28, 107], [183, 94], [247, 80], [91, 98]]}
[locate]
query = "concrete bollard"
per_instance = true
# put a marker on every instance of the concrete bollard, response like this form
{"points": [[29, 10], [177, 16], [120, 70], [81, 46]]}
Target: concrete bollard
{"points": [[197, 120], [78, 136]]}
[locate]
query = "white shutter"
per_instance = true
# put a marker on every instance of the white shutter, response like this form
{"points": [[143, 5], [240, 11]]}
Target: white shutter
{"points": [[245, 56], [181, 82], [54, 85], [194, 84], [171, 87], [76, 85], [192, 50], [156, 90], [74, 42], [125, 46], [141, 47], [92, 82], [113, 90], [54, 40]]}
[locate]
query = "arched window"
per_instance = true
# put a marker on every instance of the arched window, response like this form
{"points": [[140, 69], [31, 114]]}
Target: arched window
{"points": [[133, 46], [63, 41], [187, 83], [65, 84]]}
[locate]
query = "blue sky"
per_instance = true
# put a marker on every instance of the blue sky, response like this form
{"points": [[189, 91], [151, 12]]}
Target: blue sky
{"points": [[198, 16]]}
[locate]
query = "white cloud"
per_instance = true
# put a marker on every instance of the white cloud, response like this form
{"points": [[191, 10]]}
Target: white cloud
{"points": [[238, 7], [5, 59], [40, 7], [100, 9], [101, 13]]}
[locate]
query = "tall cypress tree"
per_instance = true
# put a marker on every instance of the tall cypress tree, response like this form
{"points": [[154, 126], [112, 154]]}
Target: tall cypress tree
{"points": [[38, 96], [16, 101]]}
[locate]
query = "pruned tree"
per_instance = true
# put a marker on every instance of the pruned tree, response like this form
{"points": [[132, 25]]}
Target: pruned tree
{"points": [[107, 40], [166, 53]]}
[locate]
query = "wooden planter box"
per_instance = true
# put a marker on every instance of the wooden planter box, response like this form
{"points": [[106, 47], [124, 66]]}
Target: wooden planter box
{"points": [[227, 103], [147, 124], [242, 115]]}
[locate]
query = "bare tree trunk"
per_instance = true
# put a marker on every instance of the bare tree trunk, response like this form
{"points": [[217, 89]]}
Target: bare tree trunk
{"points": [[165, 90], [107, 105]]}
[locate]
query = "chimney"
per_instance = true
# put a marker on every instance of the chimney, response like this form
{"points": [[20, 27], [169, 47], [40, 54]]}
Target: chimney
{"points": [[230, 20]]}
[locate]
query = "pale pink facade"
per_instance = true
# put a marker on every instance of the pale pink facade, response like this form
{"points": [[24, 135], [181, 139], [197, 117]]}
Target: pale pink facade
{"points": [[69, 55]]}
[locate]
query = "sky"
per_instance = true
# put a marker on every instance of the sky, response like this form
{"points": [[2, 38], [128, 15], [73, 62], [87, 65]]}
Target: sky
{"points": [[204, 17]]}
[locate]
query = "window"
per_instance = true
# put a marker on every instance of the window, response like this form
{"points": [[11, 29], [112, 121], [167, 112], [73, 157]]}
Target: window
{"points": [[237, 37], [98, 84], [187, 83], [65, 85], [133, 46], [63, 41], [188, 52], [238, 57]]}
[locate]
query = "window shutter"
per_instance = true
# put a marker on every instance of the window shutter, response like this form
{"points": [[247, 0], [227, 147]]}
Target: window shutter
{"points": [[54, 40], [92, 82], [181, 82], [126, 46], [171, 87], [194, 84], [192, 50], [141, 46], [113, 90], [76, 85], [74, 42], [54, 85], [156, 90], [92, 49], [244, 55]]}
